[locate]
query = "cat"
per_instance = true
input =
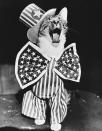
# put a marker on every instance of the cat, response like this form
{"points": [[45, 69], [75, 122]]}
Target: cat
{"points": [[43, 68], [50, 37]]}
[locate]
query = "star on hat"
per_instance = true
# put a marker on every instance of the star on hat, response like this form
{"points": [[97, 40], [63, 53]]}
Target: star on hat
{"points": [[36, 13]]}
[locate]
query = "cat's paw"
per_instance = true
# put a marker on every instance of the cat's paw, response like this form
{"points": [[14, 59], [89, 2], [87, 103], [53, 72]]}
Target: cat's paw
{"points": [[56, 127], [39, 122]]}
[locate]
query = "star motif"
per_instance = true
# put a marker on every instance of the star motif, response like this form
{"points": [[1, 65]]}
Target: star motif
{"points": [[33, 63], [70, 54], [62, 57], [40, 60], [64, 72], [38, 57], [26, 69], [64, 62], [33, 53], [34, 75], [38, 65], [30, 72], [29, 57], [22, 62], [69, 65], [31, 69], [72, 60], [30, 78], [28, 62], [28, 50], [25, 54], [34, 58], [38, 71], [23, 57], [21, 66], [68, 75], [37, 13], [21, 75], [68, 60], [61, 69], [75, 75], [74, 67], [66, 56], [20, 70], [24, 81], [43, 67], [71, 71]]}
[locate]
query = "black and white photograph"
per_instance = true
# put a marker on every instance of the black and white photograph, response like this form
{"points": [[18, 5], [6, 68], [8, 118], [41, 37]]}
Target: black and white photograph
{"points": [[50, 66]]}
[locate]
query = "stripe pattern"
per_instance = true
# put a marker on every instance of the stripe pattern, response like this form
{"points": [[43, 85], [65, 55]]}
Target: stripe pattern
{"points": [[27, 14], [49, 84], [35, 107], [59, 105]]}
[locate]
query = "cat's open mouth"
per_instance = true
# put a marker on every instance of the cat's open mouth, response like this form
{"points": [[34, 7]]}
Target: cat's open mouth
{"points": [[55, 35]]}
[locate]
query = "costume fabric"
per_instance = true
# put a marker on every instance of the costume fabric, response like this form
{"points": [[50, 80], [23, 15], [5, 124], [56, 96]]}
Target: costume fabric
{"points": [[46, 75]]}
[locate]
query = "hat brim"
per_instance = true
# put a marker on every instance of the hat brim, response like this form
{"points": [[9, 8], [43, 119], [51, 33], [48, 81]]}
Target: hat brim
{"points": [[32, 33]]}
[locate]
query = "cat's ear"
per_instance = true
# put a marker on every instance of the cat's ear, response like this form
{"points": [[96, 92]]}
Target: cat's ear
{"points": [[63, 14]]}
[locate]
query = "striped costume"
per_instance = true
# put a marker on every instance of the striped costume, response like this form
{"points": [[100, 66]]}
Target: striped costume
{"points": [[44, 74]]}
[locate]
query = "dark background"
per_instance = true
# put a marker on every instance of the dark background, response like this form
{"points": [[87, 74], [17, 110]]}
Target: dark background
{"points": [[84, 30]]}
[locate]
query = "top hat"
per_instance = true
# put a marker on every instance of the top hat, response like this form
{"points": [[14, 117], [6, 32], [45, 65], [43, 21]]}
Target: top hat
{"points": [[32, 16]]}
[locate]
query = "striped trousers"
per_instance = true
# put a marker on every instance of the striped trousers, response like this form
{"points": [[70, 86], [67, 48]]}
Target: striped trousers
{"points": [[50, 86], [35, 107]]}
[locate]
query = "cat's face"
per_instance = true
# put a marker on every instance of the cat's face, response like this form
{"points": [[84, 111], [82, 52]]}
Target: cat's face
{"points": [[53, 28]]}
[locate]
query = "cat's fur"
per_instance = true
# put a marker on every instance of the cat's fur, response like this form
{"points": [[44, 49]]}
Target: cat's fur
{"points": [[57, 25]]}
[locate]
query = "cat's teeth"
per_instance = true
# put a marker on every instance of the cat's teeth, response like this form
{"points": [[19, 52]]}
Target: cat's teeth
{"points": [[55, 37]]}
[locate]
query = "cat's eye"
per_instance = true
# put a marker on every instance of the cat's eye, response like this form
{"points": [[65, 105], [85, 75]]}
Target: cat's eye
{"points": [[65, 25], [50, 18], [59, 18]]}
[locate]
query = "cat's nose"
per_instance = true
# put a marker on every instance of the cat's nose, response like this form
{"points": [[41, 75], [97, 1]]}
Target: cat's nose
{"points": [[56, 24]]}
